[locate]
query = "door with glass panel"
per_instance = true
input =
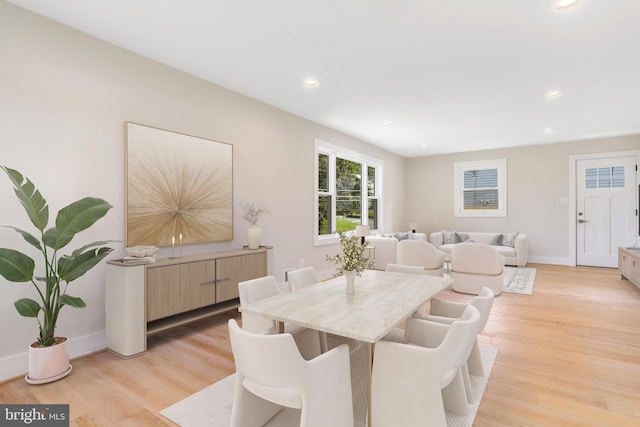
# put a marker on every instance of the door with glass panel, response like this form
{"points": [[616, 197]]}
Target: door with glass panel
{"points": [[606, 208]]}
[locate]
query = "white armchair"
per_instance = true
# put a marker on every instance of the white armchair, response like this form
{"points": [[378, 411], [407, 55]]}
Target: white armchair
{"points": [[271, 374], [254, 290], [424, 254], [475, 265], [448, 311], [414, 382]]}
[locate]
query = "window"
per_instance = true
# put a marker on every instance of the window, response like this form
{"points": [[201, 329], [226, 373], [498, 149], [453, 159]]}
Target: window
{"points": [[481, 188], [609, 177], [347, 191]]}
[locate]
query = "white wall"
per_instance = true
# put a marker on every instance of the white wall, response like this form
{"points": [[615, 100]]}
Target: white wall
{"points": [[64, 99], [537, 178]]}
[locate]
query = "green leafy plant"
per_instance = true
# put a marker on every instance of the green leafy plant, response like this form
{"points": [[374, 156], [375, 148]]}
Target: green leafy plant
{"points": [[352, 256], [59, 270]]}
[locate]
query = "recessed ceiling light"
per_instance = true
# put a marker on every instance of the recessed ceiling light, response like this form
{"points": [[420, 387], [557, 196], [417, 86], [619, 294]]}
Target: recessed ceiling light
{"points": [[423, 145], [311, 83], [385, 123], [553, 94], [547, 130], [564, 4]]}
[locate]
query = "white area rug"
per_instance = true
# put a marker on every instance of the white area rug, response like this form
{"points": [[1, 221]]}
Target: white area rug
{"points": [[519, 280], [211, 406]]}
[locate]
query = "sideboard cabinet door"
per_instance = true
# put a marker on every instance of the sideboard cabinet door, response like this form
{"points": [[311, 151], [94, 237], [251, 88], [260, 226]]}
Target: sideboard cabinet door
{"points": [[230, 271], [174, 289]]}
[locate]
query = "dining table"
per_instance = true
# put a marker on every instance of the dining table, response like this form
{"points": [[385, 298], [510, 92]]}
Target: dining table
{"points": [[381, 302]]}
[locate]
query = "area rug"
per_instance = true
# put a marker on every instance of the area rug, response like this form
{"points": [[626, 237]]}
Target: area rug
{"points": [[211, 406], [519, 280]]}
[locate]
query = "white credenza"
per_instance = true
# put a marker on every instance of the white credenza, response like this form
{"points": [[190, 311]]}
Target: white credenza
{"points": [[142, 299], [629, 264]]}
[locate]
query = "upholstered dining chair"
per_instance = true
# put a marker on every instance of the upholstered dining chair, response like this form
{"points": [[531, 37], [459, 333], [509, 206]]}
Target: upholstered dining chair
{"points": [[414, 382], [475, 265], [302, 277], [409, 269], [271, 374], [448, 311], [424, 254], [254, 290]]}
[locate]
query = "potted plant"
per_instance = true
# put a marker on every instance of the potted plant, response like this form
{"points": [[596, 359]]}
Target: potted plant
{"points": [[352, 261], [252, 213], [56, 272]]}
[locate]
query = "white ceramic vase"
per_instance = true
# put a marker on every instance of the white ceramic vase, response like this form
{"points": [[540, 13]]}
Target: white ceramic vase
{"points": [[254, 234], [47, 364], [351, 277]]}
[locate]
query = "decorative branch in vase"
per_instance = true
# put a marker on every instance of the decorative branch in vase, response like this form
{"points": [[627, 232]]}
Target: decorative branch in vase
{"points": [[352, 256], [252, 213], [351, 262]]}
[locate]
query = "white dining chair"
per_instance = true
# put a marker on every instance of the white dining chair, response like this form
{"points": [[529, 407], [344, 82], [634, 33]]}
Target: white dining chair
{"points": [[254, 290], [448, 311], [409, 269], [424, 254], [302, 277], [271, 374], [415, 381]]}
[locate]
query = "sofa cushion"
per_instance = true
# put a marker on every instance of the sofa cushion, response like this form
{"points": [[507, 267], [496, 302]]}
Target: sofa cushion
{"points": [[509, 239], [449, 237]]}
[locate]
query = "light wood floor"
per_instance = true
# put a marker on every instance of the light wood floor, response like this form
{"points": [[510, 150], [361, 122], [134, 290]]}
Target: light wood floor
{"points": [[568, 356]]}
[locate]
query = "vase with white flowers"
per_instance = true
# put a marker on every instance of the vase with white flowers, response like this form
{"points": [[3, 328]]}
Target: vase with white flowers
{"points": [[252, 213], [352, 261]]}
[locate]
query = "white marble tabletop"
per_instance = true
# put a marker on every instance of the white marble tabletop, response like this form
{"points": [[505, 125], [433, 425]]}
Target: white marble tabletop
{"points": [[382, 300]]}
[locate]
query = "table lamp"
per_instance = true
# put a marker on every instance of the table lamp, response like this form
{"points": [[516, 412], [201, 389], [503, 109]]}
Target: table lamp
{"points": [[362, 231]]}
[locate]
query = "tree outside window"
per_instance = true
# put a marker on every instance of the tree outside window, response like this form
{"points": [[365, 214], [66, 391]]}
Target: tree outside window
{"points": [[344, 199]]}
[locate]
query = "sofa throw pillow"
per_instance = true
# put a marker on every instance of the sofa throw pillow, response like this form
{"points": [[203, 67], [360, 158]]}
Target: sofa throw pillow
{"points": [[463, 237], [402, 236], [509, 239], [449, 237], [497, 241]]}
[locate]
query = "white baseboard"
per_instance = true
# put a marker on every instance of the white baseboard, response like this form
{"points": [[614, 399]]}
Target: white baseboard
{"points": [[17, 365], [549, 260]]}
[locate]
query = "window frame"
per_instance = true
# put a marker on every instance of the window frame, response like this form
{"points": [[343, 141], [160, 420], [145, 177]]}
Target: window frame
{"points": [[334, 151], [459, 168]]}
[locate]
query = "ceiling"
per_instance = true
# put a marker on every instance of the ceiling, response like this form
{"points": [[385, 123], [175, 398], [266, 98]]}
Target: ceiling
{"points": [[449, 76]]}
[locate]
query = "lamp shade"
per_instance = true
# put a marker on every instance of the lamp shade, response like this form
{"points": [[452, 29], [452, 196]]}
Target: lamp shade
{"points": [[362, 230]]}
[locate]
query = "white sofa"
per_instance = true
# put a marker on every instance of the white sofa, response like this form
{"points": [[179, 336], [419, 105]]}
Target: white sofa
{"points": [[386, 247], [513, 255]]}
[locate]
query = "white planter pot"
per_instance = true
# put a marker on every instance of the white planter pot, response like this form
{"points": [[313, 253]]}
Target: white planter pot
{"points": [[254, 234], [47, 364]]}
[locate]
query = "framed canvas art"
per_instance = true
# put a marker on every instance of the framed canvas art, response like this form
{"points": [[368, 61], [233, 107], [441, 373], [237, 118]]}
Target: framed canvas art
{"points": [[178, 188]]}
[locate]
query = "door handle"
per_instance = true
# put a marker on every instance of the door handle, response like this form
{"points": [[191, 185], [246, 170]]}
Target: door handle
{"points": [[580, 221]]}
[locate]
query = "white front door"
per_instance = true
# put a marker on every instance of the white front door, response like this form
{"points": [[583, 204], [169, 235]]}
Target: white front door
{"points": [[606, 207]]}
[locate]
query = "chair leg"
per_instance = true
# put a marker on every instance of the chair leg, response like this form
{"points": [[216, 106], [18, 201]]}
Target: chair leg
{"points": [[474, 362], [454, 395], [249, 410]]}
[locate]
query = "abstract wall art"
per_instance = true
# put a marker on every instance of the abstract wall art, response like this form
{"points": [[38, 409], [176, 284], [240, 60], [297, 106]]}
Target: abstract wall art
{"points": [[178, 187]]}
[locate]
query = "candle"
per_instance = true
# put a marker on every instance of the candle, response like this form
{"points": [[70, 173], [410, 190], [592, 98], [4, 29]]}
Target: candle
{"points": [[180, 238], [173, 240]]}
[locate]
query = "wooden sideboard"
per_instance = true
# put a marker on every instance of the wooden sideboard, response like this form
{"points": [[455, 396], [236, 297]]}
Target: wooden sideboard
{"points": [[146, 298], [629, 264]]}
